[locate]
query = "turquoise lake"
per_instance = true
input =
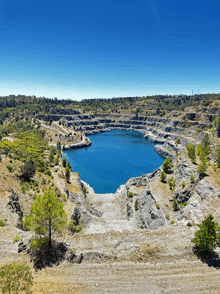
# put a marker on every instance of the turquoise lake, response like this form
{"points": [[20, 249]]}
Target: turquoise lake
{"points": [[113, 158]]}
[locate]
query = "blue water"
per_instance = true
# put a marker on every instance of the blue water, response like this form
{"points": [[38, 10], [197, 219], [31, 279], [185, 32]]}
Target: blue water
{"points": [[113, 158]]}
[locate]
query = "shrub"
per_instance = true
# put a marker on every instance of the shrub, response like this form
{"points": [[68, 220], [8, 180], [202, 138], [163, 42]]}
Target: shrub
{"points": [[67, 174], [189, 224], [43, 182], [208, 237], [130, 194], [163, 177], [74, 228], [64, 197], [2, 224], [172, 222], [158, 206], [77, 173], [172, 183], [191, 152], [175, 205], [48, 172], [84, 190], [64, 162], [192, 179], [167, 216], [183, 184], [28, 170], [17, 238], [56, 160], [0, 158], [167, 165], [214, 168], [15, 278], [177, 141], [9, 167], [136, 205]]}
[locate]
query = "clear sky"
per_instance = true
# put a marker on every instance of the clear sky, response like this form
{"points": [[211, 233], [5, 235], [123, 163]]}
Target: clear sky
{"points": [[109, 48]]}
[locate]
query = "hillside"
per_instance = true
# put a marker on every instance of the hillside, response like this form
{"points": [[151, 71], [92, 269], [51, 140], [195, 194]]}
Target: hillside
{"points": [[137, 240]]}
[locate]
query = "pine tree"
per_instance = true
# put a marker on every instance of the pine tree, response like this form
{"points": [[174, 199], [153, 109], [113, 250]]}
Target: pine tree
{"points": [[208, 237], [47, 215], [218, 126], [67, 174], [191, 152]]}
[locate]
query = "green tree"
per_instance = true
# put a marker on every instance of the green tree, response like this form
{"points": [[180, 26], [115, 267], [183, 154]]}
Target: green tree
{"points": [[15, 278], [51, 158], [28, 170], [64, 162], [59, 146], [67, 174], [177, 141], [167, 165], [208, 237], [191, 152], [69, 166], [218, 126], [163, 176], [47, 215]]}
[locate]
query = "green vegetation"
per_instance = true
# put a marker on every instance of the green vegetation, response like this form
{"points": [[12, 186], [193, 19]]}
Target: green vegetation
{"points": [[208, 237], [163, 177], [2, 224], [74, 228], [64, 162], [175, 205], [84, 190], [177, 141], [192, 179], [130, 194], [47, 215], [15, 278], [17, 238], [136, 205], [28, 170], [191, 152], [172, 183], [67, 174], [158, 206], [9, 167], [183, 184], [167, 165], [167, 216]]}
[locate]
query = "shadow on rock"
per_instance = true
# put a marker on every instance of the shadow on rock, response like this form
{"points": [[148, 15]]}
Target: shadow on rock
{"points": [[212, 259], [48, 256]]}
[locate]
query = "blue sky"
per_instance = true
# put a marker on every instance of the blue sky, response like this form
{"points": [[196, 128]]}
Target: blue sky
{"points": [[101, 49]]}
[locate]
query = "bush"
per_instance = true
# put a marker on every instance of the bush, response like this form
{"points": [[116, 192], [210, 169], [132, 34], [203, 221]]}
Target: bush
{"points": [[0, 158], [167, 216], [28, 170], [167, 165], [163, 177], [48, 172], [177, 141], [84, 190], [183, 184], [208, 237], [189, 224], [192, 179], [2, 224], [64, 197], [74, 228], [175, 205], [17, 238], [67, 174], [130, 194], [158, 206], [191, 152], [15, 278], [172, 183], [64, 162], [9, 167], [136, 205]]}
